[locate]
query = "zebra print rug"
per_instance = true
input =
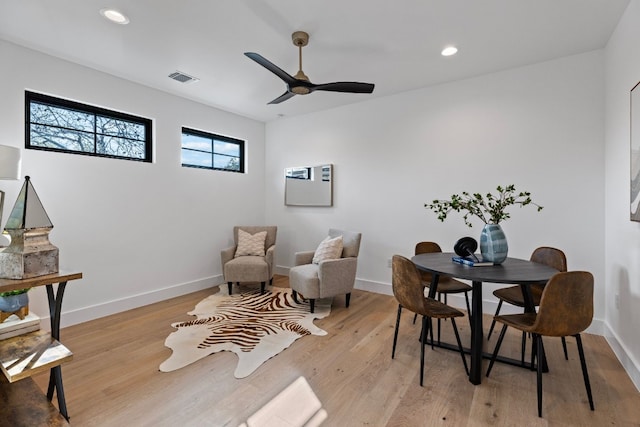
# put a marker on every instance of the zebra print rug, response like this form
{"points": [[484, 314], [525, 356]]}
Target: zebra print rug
{"points": [[253, 326]]}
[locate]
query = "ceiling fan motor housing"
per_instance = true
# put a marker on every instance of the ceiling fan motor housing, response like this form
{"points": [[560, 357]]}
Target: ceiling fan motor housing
{"points": [[300, 38]]}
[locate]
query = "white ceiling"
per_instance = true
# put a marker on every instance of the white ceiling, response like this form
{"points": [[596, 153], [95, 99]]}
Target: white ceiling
{"points": [[394, 44]]}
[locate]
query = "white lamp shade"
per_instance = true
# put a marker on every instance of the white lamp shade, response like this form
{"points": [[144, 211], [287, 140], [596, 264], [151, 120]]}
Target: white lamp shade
{"points": [[9, 162]]}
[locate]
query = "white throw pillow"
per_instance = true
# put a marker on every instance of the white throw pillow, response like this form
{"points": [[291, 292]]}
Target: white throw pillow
{"points": [[328, 249], [250, 244]]}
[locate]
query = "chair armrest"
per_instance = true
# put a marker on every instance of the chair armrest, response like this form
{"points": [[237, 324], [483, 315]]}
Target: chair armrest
{"points": [[337, 275], [305, 257], [226, 255], [268, 256]]}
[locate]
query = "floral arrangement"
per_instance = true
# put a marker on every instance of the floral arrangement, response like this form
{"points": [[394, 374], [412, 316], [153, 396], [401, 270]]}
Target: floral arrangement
{"points": [[490, 208]]}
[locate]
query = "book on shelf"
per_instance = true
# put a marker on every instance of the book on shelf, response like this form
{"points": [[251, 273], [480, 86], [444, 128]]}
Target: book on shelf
{"points": [[14, 326], [471, 261]]}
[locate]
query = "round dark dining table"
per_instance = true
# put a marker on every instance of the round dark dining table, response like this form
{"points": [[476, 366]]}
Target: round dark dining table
{"points": [[512, 271]]}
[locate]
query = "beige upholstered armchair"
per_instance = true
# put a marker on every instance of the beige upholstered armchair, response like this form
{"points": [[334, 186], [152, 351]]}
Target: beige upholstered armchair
{"points": [[318, 275], [251, 259]]}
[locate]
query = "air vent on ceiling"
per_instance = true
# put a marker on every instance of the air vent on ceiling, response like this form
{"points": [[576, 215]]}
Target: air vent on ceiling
{"points": [[182, 77]]}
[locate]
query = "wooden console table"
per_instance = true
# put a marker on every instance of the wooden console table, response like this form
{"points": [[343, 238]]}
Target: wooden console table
{"points": [[25, 355]]}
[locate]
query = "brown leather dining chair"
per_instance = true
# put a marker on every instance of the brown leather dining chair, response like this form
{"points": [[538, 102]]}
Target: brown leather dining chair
{"points": [[546, 255], [566, 309], [446, 285], [409, 293]]}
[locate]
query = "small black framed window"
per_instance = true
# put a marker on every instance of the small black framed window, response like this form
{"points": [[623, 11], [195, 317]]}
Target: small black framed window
{"points": [[210, 151], [55, 124]]}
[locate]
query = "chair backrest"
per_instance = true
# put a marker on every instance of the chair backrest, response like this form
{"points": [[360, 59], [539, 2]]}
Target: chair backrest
{"points": [[427, 248], [407, 287], [566, 306], [253, 229], [551, 257], [350, 241]]}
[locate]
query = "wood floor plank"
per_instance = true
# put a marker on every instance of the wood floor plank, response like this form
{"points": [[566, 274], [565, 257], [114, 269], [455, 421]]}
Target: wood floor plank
{"points": [[114, 380]]}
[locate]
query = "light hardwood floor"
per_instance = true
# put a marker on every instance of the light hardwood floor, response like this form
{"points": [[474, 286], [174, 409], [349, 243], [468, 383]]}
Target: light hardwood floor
{"points": [[114, 378]]}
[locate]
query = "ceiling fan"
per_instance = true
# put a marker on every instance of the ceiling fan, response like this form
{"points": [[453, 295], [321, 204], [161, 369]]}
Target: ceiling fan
{"points": [[300, 84]]}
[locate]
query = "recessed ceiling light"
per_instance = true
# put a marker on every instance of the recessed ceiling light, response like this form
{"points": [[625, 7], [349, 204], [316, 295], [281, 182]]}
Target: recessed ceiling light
{"points": [[114, 16], [449, 50]]}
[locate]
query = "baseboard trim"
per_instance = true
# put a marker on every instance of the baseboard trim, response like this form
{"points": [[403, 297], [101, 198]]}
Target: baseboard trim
{"points": [[632, 367], [84, 314]]}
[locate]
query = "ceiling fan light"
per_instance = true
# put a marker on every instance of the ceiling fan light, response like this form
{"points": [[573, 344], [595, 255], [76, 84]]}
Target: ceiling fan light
{"points": [[114, 16], [300, 90], [449, 50]]}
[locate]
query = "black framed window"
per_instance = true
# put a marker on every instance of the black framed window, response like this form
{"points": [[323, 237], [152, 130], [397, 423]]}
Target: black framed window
{"points": [[210, 151], [55, 124]]}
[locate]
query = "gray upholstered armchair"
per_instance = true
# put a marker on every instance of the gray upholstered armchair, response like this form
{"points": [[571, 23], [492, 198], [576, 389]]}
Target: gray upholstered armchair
{"points": [[250, 259], [329, 277]]}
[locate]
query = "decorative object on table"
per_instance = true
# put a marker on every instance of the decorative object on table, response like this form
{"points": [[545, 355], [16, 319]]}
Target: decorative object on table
{"points": [[30, 253], [15, 318], [465, 249], [14, 302], [471, 262], [9, 168], [493, 243], [255, 326], [491, 210]]}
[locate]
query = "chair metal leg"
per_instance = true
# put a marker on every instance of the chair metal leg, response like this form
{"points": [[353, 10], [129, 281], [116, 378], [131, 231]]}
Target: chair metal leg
{"points": [[564, 347], [415, 317], [395, 335], [425, 326], [229, 285], [431, 331], [534, 354], [262, 285], [497, 349], [538, 340], [524, 346], [347, 299], [493, 322], [466, 298], [585, 373], [464, 359]]}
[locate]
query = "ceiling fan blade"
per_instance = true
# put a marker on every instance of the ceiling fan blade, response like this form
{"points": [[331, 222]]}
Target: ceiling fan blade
{"points": [[282, 97], [351, 87], [288, 79]]}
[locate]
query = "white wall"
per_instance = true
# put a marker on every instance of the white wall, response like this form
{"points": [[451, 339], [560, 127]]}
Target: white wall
{"points": [[139, 232], [539, 127], [622, 273]]}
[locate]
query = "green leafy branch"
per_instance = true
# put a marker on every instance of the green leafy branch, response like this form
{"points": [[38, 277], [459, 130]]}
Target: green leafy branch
{"points": [[15, 292], [490, 208]]}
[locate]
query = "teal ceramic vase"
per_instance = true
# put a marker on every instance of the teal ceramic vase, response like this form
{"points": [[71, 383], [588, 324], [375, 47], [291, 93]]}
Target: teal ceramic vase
{"points": [[493, 244]]}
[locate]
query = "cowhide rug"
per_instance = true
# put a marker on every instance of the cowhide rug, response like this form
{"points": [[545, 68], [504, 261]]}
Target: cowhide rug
{"points": [[253, 326]]}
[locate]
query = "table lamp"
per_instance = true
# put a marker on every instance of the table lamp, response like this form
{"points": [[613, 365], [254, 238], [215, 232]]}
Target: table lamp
{"points": [[9, 168]]}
